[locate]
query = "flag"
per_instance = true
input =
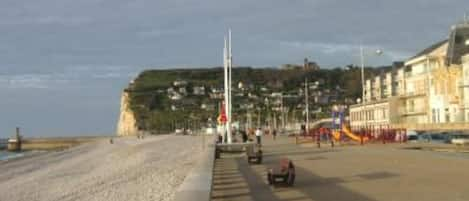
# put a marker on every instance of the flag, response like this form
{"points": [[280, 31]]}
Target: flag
{"points": [[222, 119]]}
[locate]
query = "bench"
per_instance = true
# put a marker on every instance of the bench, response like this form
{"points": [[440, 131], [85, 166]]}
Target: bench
{"points": [[283, 174], [233, 147], [254, 154]]}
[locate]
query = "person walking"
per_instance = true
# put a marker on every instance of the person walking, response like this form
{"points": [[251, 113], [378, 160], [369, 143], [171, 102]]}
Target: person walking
{"points": [[245, 136], [274, 133], [259, 135]]}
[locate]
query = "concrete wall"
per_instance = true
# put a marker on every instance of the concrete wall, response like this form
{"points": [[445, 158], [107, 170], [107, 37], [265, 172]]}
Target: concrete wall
{"points": [[198, 183]]}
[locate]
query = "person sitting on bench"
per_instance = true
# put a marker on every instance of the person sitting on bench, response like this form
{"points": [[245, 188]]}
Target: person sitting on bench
{"points": [[284, 173], [252, 154]]}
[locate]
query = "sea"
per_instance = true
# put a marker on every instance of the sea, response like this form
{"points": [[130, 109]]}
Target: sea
{"points": [[6, 155]]}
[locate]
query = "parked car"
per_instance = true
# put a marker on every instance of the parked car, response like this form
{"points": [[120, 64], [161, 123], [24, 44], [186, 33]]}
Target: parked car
{"points": [[459, 139], [412, 136], [450, 135], [432, 137]]}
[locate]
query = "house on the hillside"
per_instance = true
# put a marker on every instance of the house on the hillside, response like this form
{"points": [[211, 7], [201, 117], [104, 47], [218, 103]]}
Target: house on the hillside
{"points": [[170, 90], [207, 106], [198, 90], [175, 96], [182, 90], [180, 83]]}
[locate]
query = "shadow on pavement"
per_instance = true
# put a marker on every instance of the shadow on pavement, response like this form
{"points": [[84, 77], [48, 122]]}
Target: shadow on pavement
{"points": [[250, 182]]}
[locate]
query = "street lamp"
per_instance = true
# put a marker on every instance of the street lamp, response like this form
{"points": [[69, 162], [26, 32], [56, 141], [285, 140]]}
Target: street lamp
{"points": [[378, 52]]}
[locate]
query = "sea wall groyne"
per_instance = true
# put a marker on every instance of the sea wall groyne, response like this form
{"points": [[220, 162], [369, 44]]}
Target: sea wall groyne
{"points": [[51, 143]]}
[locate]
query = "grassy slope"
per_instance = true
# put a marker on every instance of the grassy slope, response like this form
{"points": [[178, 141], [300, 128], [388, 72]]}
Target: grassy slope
{"points": [[153, 108]]}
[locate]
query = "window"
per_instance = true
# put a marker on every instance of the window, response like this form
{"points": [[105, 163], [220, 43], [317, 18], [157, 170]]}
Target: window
{"points": [[434, 115], [458, 39], [411, 106]]}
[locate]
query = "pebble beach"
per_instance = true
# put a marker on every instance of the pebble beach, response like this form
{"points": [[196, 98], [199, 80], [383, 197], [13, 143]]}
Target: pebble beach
{"points": [[129, 169]]}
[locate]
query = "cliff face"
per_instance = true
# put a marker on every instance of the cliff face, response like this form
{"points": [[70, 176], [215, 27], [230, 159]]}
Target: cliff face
{"points": [[127, 124]]}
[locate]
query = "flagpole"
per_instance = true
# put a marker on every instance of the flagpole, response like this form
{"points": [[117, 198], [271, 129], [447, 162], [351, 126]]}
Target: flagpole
{"points": [[229, 86], [225, 69]]}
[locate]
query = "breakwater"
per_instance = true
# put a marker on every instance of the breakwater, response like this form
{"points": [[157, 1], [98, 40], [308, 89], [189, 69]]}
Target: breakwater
{"points": [[52, 143]]}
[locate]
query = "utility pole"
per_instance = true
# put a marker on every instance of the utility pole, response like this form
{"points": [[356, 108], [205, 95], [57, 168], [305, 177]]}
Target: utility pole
{"points": [[362, 61], [259, 118], [307, 105], [282, 111]]}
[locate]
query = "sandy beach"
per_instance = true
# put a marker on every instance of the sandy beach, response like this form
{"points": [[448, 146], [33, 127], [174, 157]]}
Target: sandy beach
{"points": [[129, 169]]}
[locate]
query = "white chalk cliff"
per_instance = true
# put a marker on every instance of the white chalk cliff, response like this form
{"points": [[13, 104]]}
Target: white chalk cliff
{"points": [[127, 124]]}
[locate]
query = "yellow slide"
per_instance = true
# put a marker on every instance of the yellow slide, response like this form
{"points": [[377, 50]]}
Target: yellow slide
{"points": [[348, 133]]}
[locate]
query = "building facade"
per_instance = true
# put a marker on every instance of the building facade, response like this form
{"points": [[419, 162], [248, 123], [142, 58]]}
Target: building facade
{"points": [[432, 87], [465, 88]]}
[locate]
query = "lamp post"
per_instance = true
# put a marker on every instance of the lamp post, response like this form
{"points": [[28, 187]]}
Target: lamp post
{"points": [[378, 52]]}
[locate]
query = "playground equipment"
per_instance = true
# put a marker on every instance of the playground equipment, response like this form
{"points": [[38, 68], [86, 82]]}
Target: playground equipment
{"points": [[340, 131], [356, 137]]}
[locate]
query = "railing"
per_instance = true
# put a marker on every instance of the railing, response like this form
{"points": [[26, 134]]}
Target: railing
{"points": [[433, 126]]}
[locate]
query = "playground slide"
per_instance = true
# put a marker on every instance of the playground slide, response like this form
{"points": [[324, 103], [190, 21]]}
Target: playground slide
{"points": [[348, 133], [336, 135]]}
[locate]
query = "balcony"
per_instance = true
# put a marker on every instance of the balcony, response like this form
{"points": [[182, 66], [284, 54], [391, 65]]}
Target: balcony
{"points": [[413, 94], [413, 111]]}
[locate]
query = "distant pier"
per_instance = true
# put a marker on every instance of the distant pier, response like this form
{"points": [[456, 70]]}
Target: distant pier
{"points": [[19, 143]]}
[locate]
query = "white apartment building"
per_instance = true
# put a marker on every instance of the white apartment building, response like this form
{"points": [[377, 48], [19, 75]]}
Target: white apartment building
{"points": [[465, 88], [431, 87]]}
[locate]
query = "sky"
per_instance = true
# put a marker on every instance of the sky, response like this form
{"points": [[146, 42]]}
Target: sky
{"points": [[64, 63]]}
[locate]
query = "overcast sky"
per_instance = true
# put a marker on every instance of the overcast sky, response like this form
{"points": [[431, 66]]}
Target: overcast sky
{"points": [[63, 61]]}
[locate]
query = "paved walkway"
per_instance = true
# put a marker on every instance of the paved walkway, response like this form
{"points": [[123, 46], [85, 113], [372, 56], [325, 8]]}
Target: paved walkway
{"points": [[372, 172]]}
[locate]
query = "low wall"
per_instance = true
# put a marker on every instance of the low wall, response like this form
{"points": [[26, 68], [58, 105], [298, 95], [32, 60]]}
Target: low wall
{"points": [[198, 183]]}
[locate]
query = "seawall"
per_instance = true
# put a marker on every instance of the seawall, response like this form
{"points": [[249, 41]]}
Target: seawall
{"points": [[54, 143]]}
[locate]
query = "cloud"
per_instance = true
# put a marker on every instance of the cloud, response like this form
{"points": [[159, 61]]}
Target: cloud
{"points": [[27, 81], [70, 77], [353, 50], [175, 32]]}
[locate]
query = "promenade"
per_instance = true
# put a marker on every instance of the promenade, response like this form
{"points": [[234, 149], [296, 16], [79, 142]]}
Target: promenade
{"points": [[366, 173]]}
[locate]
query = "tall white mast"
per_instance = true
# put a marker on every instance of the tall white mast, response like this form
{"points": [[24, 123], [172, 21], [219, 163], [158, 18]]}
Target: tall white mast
{"points": [[225, 70], [230, 70]]}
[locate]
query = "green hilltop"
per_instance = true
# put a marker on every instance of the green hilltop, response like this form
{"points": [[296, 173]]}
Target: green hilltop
{"points": [[163, 100]]}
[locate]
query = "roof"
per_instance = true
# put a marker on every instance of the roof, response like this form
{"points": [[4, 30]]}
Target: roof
{"points": [[457, 45], [430, 49]]}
